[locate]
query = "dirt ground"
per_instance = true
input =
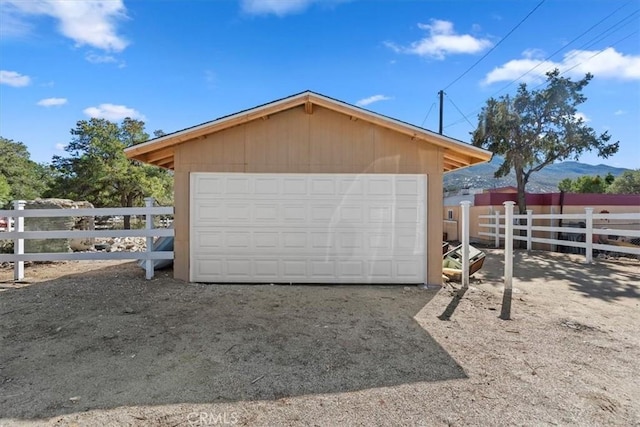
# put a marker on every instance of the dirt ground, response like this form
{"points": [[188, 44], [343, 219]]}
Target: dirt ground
{"points": [[94, 343]]}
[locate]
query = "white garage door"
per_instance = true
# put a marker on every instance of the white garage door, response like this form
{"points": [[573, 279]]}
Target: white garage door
{"points": [[307, 228]]}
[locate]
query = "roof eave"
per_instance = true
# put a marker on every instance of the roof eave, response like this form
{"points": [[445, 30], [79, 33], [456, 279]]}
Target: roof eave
{"points": [[457, 154]]}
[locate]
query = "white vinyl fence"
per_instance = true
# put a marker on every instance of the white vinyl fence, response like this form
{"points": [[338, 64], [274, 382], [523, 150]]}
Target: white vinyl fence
{"points": [[608, 236], [17, 215]]}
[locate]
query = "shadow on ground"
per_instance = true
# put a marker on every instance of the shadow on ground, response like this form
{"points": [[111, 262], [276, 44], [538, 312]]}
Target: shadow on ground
{"points": [[108, 338], [608, 280]]}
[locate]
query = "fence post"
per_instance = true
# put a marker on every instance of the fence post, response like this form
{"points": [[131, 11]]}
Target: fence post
{"points": [[18, 243], [465, 243], [588, 237], [529, 225], [552, 223], [149, 263], [496, 221], [508, 244]]}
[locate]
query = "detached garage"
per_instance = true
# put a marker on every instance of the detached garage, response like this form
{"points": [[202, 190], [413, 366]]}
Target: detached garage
{"points": [[308, 189]]}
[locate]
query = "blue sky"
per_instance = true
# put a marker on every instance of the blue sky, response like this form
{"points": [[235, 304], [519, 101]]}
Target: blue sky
{"points": [[177, 63]]}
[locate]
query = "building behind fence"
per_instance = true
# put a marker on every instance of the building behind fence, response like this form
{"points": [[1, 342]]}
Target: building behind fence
{"points": [[490, 202]]}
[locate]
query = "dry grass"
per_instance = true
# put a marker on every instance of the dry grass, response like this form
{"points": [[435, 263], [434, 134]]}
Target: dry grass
{"points": [[96, 344]]}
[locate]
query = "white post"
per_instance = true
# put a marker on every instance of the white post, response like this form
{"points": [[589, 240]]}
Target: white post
{"points": [[496, 221], [465, 243], [529, 225], [18, 243], [588, 237], [508, 244], [552, 223], [149, 264]]}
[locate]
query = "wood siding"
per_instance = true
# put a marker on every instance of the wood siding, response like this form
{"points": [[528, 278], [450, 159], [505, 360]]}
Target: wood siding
{"points": [[293, 141]]}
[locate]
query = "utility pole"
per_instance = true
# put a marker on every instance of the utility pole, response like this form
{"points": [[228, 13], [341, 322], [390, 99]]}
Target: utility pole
{"points": [[441, 94]]}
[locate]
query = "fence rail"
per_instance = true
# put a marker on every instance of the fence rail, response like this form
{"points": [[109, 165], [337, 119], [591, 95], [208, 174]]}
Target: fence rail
{"points": [[576, 237], [16, 218]]}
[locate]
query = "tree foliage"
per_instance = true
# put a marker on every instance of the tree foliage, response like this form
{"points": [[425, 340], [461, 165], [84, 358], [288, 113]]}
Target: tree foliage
{"points": [[25, 178], [627, 183], [5, 191], [586, 184], [536, 128], [97, 170]]}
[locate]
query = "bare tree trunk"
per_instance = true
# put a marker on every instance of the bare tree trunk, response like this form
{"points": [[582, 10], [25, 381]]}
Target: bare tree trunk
{"points": [[522, 203], [126, 202]]}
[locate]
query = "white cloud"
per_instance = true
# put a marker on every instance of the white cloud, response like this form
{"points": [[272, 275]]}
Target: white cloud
{"points": [[87, 22], [276, 7], [52, 102], [60, 146], [607, 63], [372, 99], [95, 58], [112, 112], [619, 113], [582, 116], [518, 68], [442, 41], [12, 25], [13, 78]]}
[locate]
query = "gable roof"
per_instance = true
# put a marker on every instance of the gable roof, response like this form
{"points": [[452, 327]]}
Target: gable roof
{"points": [[160, 151]]}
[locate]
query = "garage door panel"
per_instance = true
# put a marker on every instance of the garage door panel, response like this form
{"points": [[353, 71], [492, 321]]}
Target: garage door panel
{"points": [[238, 185], [301, 241], [308, 228], [381, 269], [267, 186], [266, 213], [295, 269], [321, 269], [208, 240], [208, 187], [323, 186], [295, 186], [295, 212], [267, 268], [305, 270]]}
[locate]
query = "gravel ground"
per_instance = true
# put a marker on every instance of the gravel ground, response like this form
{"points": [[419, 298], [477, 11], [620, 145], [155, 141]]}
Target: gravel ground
{"points": [[93, 343]]}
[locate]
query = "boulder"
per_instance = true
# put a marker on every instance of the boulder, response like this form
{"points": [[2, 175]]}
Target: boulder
{"points": [[57, 223]]}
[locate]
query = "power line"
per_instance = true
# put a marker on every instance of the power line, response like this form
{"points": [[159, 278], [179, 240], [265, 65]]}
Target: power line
{"points": [[459, 111], [588, 44], [603, 34], [428, 112], [559, 50], [496, 45], [597, 53], [563, 72]]}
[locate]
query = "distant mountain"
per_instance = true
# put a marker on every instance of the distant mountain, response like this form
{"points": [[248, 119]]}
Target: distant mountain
{"points": [[544, 181]]}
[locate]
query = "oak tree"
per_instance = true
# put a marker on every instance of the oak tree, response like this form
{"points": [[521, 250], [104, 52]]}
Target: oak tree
{"points": [[536, 128]]}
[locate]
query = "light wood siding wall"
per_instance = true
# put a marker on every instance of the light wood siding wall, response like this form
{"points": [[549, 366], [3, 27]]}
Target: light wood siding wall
{"points": [[293, 141]]}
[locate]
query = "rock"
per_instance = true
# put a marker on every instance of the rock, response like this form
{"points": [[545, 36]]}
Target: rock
{"points": [[57, 223], [78, 245]]}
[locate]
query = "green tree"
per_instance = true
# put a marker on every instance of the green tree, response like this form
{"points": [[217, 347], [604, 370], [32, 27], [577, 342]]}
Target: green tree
{"points": [[586, 184], [536, 128], [566, 185], [97, 170], [627, 183], [26, 178], [5, 191]]}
